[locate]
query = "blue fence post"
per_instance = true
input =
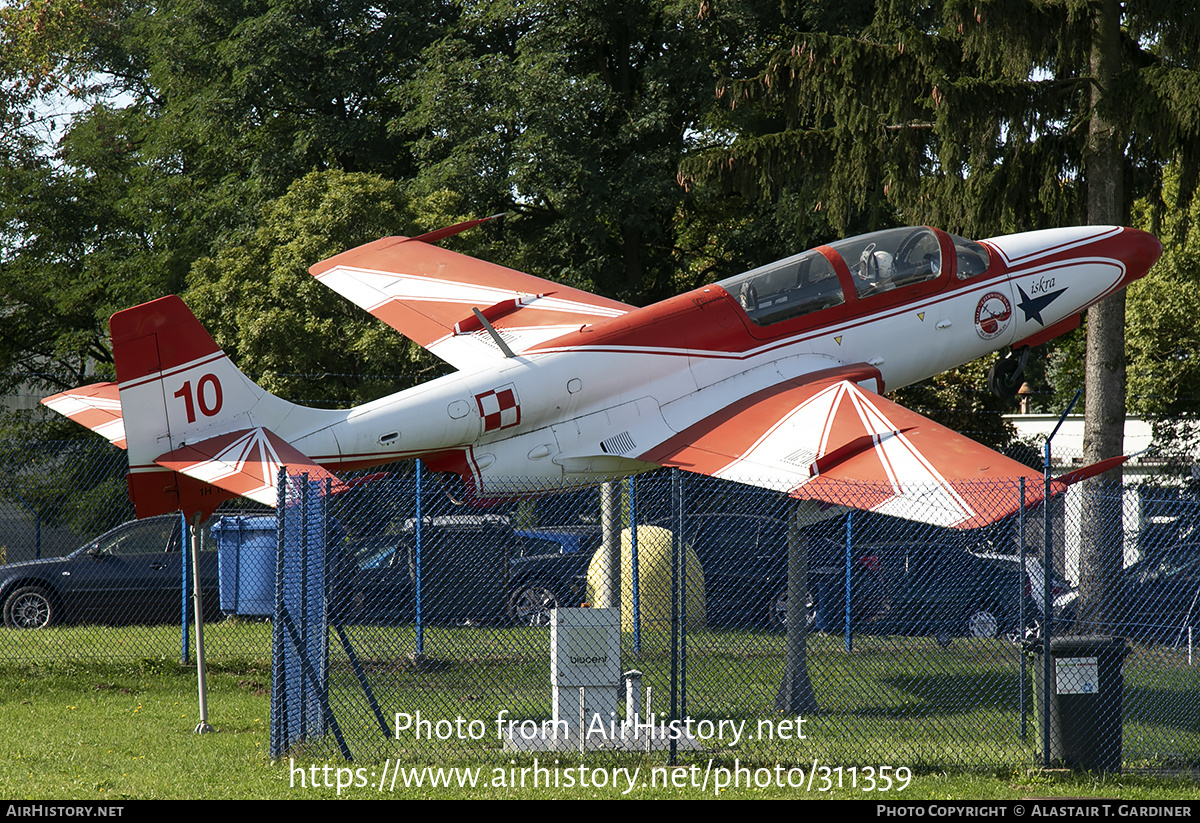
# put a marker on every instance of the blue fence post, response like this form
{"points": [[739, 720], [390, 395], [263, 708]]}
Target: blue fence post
{"points": [[676, 549], [279, 686], [417, 582], [633, 567], [683, 596], [849, 584], [1022, 576]]}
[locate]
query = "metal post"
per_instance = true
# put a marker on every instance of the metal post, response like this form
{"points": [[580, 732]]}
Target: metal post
{"points": [[185, 599], [849, 585], [279, 691], [1021, 578], [608, 593], [301, 642], [1047, 615], [326, 590], [683, 597], [202, 727], [420, 653], [634, 579], [676, 542]]}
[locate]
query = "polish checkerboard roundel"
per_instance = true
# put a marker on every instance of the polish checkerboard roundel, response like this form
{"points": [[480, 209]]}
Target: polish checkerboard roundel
{"points": [[499, 408]]}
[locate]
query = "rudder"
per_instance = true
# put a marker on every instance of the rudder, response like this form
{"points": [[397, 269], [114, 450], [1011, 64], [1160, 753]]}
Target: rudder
{"points": [[177, 387]]}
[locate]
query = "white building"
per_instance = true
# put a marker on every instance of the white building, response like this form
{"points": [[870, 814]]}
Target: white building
{"points": [[1141, 470]]}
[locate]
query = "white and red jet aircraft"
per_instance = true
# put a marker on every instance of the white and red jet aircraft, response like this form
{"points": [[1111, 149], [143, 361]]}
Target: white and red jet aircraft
{"points": [[774, 377]]}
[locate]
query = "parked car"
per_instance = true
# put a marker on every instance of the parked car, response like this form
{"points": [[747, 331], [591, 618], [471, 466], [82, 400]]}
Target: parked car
{"points": [[1162, 596], [129, 575], [950, 589], [551, 571], [474, 568], [744, 559], [914, 586]]}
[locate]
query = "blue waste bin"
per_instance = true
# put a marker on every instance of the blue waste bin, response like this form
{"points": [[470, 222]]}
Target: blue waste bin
{"points": [[246, 564]]}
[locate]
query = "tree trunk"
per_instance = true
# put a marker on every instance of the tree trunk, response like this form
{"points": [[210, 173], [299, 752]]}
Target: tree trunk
{"points": [[1101, 533], [795, 694]]}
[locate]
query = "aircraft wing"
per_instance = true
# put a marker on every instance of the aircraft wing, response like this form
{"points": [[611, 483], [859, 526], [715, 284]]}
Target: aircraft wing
{"points": [[98, 407], [833, 441], [245, 463], [429, 294]]}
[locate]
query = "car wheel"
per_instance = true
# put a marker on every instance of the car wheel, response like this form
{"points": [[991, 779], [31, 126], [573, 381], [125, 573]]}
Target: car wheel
{"points": [[777, 611], [982, 623], [530, 605], [1032, 631], [29, 607]]}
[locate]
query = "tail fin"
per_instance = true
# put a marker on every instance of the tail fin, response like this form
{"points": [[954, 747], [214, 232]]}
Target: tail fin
{"points": [[198, 430], [177, 386]]}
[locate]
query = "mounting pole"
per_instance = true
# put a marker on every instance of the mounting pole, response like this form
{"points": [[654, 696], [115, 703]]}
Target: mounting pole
{"points": [[198, 600], [1047, 591]]}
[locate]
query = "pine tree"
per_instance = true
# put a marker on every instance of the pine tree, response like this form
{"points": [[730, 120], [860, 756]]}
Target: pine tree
{"points": [[985, 118]]}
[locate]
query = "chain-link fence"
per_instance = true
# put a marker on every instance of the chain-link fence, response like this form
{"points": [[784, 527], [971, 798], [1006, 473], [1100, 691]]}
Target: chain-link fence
{"points": [[895, 643], [93, 582], [914, 641]]}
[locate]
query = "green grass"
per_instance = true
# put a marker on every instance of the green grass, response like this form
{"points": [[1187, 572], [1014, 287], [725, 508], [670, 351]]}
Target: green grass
{"points": [[89, 728]]}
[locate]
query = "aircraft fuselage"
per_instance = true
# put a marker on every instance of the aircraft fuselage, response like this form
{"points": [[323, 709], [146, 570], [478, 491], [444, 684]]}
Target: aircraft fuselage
{"points": [[587, 405]]}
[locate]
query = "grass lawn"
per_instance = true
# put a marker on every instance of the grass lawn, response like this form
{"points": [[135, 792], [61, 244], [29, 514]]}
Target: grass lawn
{"points": [[85, 728]]}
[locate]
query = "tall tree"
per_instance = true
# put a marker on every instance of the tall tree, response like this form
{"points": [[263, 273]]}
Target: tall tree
{"points": [[987, 117], [573, 115], [188, 116], [1101, 533], [1164, 340], [298, 338]]}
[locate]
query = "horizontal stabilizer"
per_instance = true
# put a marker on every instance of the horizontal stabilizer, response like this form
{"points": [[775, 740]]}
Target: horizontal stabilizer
{"points": [[98, 407], [449, 231], [1078, 475], [246, 463]]}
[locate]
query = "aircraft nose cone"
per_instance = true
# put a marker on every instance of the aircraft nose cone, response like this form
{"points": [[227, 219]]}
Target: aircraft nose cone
{"points": [[1139, 251]]}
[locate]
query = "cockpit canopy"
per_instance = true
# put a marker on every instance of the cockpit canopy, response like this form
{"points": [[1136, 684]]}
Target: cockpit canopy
{"points": [[878, 262], [787, 288]]}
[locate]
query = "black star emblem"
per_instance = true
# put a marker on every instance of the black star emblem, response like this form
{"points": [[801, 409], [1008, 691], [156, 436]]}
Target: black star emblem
{"points": [[1032, 306]]}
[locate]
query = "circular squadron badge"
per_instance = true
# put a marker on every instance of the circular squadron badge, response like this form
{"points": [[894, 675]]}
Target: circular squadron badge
{"points": [[992, 315]]}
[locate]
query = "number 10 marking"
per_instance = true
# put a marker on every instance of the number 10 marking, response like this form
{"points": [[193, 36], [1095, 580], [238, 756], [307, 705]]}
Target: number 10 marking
{"points": [[201, 399]]}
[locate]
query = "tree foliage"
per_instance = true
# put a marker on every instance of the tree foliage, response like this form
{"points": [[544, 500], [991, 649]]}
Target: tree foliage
{"points": [[296, 337], [192, 118], [988, 117], [573, 116], [195, 119], [1162, 336]]}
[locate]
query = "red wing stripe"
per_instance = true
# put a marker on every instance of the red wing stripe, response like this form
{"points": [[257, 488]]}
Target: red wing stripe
{"points": [[864, 450]]}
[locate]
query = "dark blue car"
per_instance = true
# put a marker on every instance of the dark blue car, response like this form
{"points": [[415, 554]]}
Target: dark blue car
{"points": [[130, 575]]}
